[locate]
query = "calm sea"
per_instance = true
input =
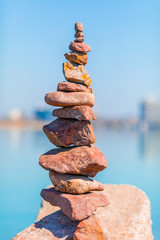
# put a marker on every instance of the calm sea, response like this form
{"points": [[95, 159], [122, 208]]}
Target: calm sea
{"points": [[133, 158]]}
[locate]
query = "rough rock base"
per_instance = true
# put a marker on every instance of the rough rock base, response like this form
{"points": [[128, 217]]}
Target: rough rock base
{"points": [[127, 217]]}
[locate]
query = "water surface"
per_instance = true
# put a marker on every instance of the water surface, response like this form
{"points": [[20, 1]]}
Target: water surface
{"points": [[133, 158]]}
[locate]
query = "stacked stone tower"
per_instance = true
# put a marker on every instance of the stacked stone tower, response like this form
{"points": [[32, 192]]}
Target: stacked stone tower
{"points": [[76, 160]]}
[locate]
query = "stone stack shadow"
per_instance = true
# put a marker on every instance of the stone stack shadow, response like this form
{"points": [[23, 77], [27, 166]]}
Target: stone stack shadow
{"points": [[76, 160]]}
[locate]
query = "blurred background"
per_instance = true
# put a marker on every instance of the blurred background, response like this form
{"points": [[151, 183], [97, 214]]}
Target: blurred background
{"points": [[124, 68]]}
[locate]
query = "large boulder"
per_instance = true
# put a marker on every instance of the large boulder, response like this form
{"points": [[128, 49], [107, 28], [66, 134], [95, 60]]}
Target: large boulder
{"points": [[128, 217]]}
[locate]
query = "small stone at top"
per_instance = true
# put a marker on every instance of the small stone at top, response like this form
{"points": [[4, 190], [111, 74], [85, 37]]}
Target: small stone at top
{"points": [[79, 34], [79, 27]]}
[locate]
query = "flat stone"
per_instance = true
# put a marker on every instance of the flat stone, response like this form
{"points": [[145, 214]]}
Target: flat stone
{"points": [[79, 47], [76, 73], [79, 27], [80, 58], [128, 216], [79, 39], [79, 34], [54, 226], [76, 207], [76, 112], [90, 229], [84, 160], [66, 132], [75, 184], [73, 87], [66, 99]]}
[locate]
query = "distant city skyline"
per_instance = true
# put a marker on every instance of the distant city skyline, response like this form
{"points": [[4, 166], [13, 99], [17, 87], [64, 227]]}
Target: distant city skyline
{"points": [[123, 64]]}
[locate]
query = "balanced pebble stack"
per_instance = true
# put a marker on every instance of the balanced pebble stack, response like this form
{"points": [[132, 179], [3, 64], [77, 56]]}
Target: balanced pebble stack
{"points": [[72, 165]]}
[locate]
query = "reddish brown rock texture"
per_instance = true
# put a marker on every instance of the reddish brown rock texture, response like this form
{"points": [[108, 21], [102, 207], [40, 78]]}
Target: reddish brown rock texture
{"points": [[75, 184], [65, 99], [79, 47], [66, 132], [84, 160], [80, 58], [73, 87], [79, 39], [53, 227], [76, 112], [58, 226], [79, 34], [76, 207], [70, 166], [90, 229], [79, 27], [125, 218], [76, 73]]}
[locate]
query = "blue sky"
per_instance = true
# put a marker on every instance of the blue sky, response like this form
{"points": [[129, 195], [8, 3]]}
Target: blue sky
{"points": [[123, 64]]}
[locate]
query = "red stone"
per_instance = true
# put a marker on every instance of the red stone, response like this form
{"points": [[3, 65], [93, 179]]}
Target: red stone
{"points": [[73, 87], [79, 39], [84, 160], [76, 112], [79, 27], [129, 207], [79, 34], [89, 229], [79, 47], [66, 132], [76, 207], [64, 99]]}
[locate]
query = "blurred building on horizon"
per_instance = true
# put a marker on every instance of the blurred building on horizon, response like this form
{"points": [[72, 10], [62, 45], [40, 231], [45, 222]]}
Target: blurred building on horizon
{"points": [[15, 114], [43, 114], [149, 115], [147, 119]]}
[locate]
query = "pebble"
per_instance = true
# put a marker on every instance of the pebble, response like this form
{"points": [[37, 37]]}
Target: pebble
{"points": [[79, 47], [73, 87], [79, 27], [75, 184], [79, 34], [79, 39]]}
